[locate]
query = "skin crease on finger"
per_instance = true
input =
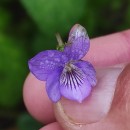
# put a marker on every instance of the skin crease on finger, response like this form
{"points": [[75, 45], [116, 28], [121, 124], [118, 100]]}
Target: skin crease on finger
{"points": [[35, 97]]}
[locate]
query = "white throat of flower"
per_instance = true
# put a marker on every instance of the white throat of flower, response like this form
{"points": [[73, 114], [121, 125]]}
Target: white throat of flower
{"points": [[71, 76]]}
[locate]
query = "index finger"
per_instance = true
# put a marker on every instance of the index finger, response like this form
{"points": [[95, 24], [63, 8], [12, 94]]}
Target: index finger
{"points": [[110, 50], [104, 51]]}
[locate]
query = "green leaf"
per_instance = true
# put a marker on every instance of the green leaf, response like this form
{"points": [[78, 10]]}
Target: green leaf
{"points": [[5, 18], [26, 122], [13, 68], [55, 15], [41, 42]]}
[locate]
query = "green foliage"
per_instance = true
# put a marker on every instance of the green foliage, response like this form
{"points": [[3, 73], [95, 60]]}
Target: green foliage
{"points": [[103, 17], [126, 19], [26, 122], [55, 15], [5, 18], [12, 71], [40, 43]]}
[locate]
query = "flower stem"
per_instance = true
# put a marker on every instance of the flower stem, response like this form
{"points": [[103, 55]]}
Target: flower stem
{"points": [[59, 39], [61, 44]]}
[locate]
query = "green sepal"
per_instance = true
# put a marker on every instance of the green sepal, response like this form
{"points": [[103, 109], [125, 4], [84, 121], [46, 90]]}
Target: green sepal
{"points": [[60, 47]]}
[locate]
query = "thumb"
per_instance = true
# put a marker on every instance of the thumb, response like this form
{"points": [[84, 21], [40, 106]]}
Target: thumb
{"points": [[95, 107]]}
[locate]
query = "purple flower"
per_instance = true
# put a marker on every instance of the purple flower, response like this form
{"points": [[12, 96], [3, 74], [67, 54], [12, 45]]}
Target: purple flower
{"points": [[64, 71]]}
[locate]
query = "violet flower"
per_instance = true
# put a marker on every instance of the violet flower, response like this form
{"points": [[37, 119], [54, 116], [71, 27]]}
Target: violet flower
{"points": [[64, 72]]}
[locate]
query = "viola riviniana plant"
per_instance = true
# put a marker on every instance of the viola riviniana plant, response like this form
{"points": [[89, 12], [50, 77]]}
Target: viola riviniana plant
{"points": [[65, 73]]}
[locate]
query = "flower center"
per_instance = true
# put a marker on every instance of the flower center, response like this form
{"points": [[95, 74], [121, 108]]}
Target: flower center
{"points": [[72, 76], [68, 67]]}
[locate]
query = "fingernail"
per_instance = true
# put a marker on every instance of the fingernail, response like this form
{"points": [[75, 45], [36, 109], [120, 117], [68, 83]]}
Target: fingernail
{"points": [[93, 108]]}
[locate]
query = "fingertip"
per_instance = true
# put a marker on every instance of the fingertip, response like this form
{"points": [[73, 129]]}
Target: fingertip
{"points": [[110, 50], [36, 100]]}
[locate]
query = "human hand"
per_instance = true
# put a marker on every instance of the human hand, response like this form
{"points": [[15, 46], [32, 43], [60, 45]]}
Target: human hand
{"points": [[108, 107]]}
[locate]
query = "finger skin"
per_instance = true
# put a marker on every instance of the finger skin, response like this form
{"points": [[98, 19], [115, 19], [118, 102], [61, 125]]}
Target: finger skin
{"points": [[52, 126], [37, 101], [104, 51], [110, 50]]}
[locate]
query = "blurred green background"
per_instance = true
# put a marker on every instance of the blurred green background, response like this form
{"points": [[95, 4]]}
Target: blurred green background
{"points": [[29, 26]]}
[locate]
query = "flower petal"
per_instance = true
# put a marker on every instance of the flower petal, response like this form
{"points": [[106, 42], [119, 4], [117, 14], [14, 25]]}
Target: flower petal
{"points": [[78, 43], [45, 62], [53, 84], [89, 71], [74, 84], [77, 31]]}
